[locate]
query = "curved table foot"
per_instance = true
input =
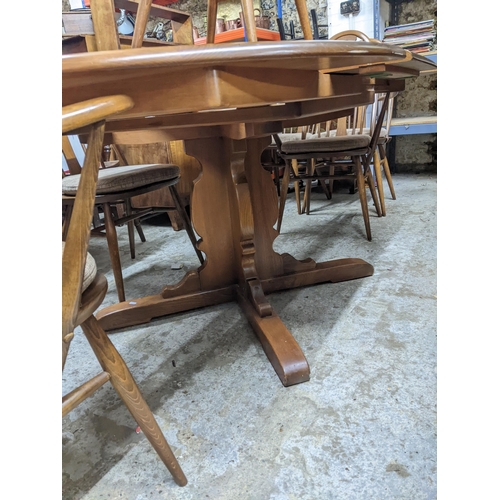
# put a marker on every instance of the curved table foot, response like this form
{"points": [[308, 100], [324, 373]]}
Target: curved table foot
{"points": [[278, 343], [313, 273], [143, 310]]}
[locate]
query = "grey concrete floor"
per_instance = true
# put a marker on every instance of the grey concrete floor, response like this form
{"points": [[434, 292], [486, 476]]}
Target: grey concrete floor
{"points": [[363, 427]]}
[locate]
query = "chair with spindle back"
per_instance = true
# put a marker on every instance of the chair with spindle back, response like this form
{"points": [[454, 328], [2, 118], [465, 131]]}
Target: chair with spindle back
{"points": [[342, 165], [119, 186], [84, 288], [377, 108], [355, 147]]}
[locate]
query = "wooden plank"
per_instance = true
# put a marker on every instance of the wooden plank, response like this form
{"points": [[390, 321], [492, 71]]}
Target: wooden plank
{"points": [[156, 10], [414, 125], [415, 120], [77, 23]]}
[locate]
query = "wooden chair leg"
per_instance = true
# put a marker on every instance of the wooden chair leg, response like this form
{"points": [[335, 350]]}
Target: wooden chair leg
{"points": [[249, 20], [130, 228], [276, 173], [360, 176], [295, 168], [96, 220], [373, 190], [126, 387], [187, 223], [307, 192], [284, 192], [114, 252], [211, 20], [331, 171], [325, 188], [319, 172], [378, 176], [387, 170], [140, 232], [304, 19], [322, 182]]}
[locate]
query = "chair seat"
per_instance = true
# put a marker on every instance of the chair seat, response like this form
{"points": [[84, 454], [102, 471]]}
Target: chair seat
{"points": [[326, 144], [89, 272], [382, 138], [117, 179], [292, 136]]}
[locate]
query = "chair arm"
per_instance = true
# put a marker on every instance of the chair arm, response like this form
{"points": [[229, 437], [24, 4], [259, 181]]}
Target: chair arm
{"points": [[85, 113]]}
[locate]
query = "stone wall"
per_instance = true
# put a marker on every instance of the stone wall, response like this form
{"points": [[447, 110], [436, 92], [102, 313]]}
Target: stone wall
{"points": [[412, 153], [231, 9]]}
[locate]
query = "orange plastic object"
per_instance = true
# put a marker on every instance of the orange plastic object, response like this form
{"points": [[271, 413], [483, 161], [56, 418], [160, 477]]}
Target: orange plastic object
{"points": [[238, 35]]}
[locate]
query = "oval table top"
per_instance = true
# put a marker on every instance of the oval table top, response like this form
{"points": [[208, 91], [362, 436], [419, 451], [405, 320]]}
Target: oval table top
{"points": [[319, 55], [213, 85]]}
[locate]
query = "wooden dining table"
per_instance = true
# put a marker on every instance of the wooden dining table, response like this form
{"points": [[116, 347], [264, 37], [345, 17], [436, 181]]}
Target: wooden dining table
{"points": [[225, 101]]}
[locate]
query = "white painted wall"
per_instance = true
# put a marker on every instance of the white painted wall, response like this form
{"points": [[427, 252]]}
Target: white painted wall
{"points": [[361, 22], [77, 149]]}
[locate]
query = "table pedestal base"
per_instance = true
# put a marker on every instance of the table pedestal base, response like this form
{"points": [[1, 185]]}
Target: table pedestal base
{"points": [[280, 346], [234, 209]]}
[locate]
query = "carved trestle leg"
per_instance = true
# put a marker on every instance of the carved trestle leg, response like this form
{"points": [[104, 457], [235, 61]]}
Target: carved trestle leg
{"points": [[278, 272], [213, 282], [281, 348]]}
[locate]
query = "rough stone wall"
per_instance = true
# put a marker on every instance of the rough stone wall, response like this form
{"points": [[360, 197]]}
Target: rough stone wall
{"points": [[417, 152]]}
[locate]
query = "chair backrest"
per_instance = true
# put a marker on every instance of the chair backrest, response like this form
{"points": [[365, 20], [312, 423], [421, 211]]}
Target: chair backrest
{"points": [[355, 122], [350, 35], [376, 109], [128, 153], [105, 29], [91, 114]]}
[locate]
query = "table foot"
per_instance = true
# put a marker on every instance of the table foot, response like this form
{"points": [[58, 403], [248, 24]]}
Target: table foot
{"points": [[143, 310], [307, 272], [280, 347]]}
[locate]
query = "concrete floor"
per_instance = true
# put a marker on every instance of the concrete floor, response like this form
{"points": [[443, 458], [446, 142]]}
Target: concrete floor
{"points": [[363, 427]]}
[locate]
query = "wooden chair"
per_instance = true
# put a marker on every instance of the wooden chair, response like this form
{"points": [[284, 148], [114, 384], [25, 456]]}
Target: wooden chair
{"points": [[140, 180], [83, 288], [337, 167], [106, 37], [380, 110], [355, 147], [117, 186], [379, 155]]}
